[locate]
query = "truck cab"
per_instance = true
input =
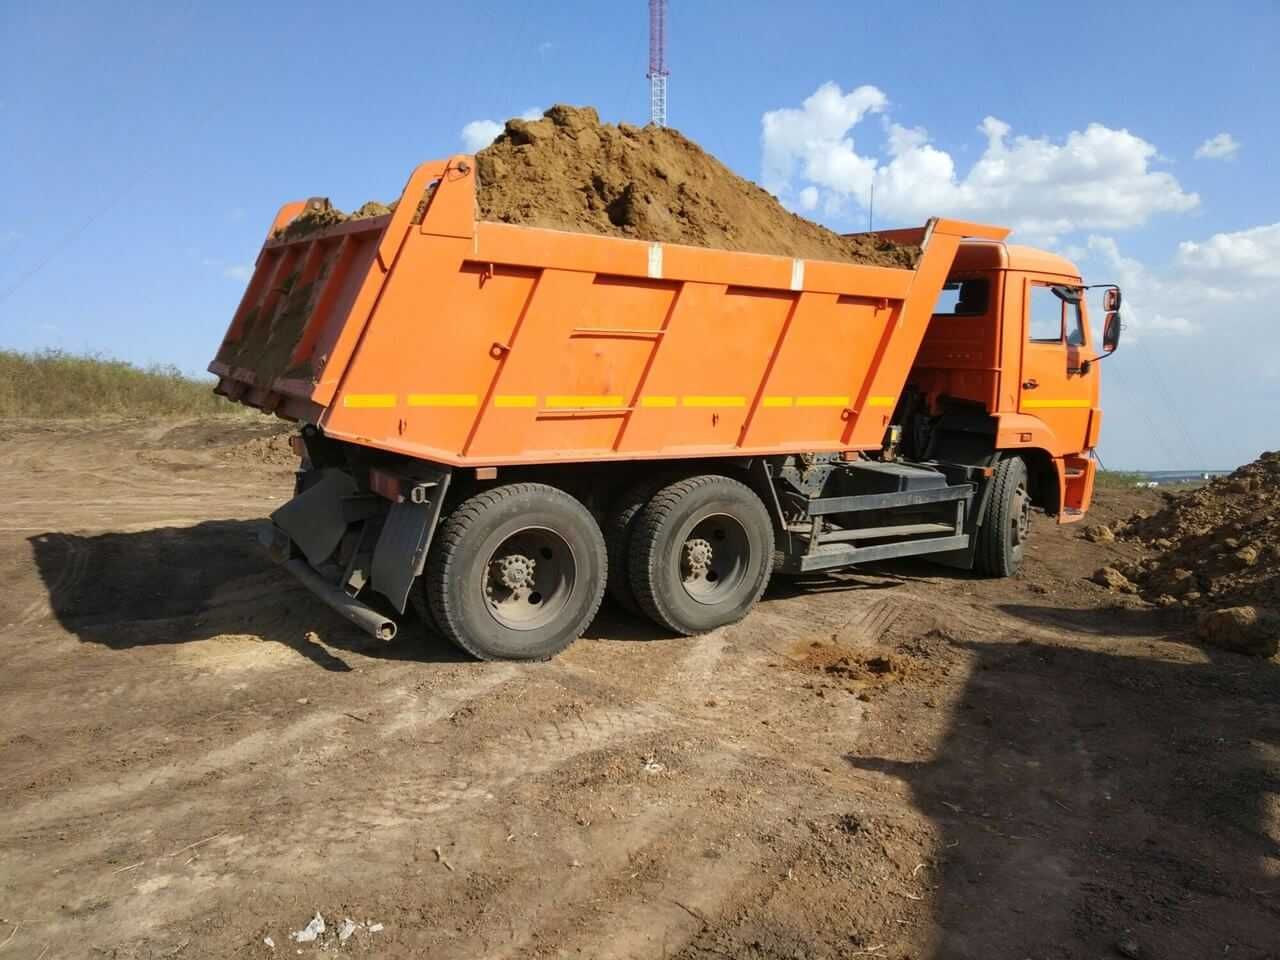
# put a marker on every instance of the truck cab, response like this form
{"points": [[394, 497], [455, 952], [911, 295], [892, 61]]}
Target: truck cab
{"points": [[1009, 353]]}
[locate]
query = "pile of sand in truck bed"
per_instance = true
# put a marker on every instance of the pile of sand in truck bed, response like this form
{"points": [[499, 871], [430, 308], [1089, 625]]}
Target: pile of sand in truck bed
{"points": [[320, 213], [569, 171]]}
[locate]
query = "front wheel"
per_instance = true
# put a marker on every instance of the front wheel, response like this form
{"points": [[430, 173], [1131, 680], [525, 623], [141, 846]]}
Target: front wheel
{"points": [[1003, 535], [516, 572], [701, 554]]}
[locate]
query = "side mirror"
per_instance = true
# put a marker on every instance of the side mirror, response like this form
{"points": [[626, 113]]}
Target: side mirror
{"points": [[1111, 300], [1111, 330]]}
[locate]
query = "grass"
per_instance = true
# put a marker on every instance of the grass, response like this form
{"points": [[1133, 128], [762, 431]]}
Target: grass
{"points": [[55, 384], [1118, 478]]}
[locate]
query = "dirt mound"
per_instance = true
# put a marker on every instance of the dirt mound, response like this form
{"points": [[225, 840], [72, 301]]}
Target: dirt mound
{"points": [[273, 450], [1216, 546], [569, 171], [320, 213]]}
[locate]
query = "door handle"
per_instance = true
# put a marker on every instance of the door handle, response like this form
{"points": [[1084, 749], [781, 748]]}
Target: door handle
{"points": [[1030, 384]]}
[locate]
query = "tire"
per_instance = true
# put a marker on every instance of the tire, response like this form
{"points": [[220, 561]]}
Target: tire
{"points": [[418, 600], [701, 554], [1003, 535], [516, 572], [618, 529]]}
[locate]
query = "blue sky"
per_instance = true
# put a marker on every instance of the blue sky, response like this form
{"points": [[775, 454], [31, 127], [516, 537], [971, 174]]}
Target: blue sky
{"points": [[147, 146]]}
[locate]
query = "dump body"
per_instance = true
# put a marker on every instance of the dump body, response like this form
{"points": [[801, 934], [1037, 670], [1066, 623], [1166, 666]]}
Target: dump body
{"points": [[430, 334]]}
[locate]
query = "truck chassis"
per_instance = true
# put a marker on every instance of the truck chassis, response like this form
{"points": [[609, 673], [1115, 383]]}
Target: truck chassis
{"points": [[514, 563]]}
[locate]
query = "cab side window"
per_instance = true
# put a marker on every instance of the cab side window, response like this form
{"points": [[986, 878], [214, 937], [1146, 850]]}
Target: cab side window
{"points": [[1075, 324], [1045, 315], [963, 298]]}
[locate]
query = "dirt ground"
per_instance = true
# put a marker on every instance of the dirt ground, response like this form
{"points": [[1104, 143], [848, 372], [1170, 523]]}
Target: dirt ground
{"points": [[900, 762]]}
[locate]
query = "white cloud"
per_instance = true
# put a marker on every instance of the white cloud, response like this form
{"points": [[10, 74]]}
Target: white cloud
{"points": [[1252, 253], [1150, 301], [809, 198], [815, 139], [1231, 278], [1222, 147], [238, 271], [1181, 362], [1098, 178], [478, 134]]}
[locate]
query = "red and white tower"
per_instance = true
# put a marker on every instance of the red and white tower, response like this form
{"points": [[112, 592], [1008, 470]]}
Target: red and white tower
{"points": [[658, 62]]}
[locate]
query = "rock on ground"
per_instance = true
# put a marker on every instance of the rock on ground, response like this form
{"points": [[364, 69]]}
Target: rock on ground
{"points": [[1242, 629]]}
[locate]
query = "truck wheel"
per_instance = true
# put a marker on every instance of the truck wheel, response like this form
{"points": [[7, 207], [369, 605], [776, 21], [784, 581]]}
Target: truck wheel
{"points": [[1004, 530], [618, 529], [701, 554], [516, 572]]}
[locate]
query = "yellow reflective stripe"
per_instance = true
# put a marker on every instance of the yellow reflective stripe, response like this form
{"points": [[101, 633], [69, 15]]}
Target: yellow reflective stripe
{"points": [[822, 401], [710, 401], [584, 400], [362, 401], [779, 401], [881, 401], [1055, 404], [443, 400], [515, 400], [657, 401]]}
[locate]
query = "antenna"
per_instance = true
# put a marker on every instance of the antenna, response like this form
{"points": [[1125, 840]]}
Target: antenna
{"points": [[658, 72]]}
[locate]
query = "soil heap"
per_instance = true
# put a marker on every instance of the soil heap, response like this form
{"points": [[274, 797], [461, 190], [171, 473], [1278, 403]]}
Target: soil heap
{"points": [[1218, 545], [320, 213], [569, 171]]}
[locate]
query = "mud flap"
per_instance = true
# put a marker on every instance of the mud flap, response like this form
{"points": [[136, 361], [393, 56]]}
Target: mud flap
{"points": [[314, 519], [401, 551]]}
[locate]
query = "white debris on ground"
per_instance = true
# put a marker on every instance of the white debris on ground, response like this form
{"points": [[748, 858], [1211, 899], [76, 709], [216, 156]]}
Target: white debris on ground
{"points": [[269, 942], [314, 932], [310, 931]]}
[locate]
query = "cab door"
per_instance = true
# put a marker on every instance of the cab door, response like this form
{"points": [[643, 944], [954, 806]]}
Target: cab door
{"points": [[1058, 383]]}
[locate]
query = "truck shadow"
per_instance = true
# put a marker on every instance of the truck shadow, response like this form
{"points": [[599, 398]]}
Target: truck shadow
{"points": [[1088, 797], [187, 584]]}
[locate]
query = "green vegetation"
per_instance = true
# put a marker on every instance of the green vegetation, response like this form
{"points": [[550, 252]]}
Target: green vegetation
{"points": [[52, 383], [1117, 478]]}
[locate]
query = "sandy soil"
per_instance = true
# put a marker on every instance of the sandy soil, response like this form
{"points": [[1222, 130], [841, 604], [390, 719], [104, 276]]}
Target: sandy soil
{"points": [[904, 762], [568, 171]]}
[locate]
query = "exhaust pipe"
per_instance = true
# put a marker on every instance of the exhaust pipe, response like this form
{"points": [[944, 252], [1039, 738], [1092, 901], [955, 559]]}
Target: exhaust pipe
{"points": [[366, 618]]}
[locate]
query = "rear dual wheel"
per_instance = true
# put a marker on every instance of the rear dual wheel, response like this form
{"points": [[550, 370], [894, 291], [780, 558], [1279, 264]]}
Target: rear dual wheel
{"points": [[700, 554], [516, 572]]}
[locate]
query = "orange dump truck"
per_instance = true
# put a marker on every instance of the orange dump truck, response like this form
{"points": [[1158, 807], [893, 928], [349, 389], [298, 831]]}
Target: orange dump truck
{"points": [[501, 423]]}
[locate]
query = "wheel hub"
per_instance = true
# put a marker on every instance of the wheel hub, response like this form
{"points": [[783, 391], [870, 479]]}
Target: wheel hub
{"points": [[1021, 516], [529, 578], [515, 571], [714, 558], [697, 556]]}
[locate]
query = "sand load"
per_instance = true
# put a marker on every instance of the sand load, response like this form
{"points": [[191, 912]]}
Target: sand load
{"points": [[569, 171]]}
